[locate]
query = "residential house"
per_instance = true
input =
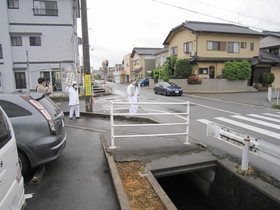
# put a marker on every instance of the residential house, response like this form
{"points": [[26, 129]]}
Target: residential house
{"points": [[161, 56], [38, 39], [119, 73], [209, 45], [143, 61], [270, 52], [128, 67]]}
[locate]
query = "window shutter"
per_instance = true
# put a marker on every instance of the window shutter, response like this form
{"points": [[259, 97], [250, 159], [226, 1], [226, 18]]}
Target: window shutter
{"points": [[223, 46]]}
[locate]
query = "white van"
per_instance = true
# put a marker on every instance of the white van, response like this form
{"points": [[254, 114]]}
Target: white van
{"points": [[11, 181]]}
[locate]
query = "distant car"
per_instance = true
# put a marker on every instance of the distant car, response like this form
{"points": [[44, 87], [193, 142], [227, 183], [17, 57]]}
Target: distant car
{"points": [[144, 82], [168, 88], [38, 125], [11, 181]]}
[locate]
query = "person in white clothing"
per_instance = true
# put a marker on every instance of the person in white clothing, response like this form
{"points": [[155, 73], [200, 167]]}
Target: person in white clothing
{"points": [[74, 103], [133, 93]]}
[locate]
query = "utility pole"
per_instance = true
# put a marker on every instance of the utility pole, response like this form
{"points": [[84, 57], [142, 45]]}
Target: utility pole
{"points": [[86, 58]]}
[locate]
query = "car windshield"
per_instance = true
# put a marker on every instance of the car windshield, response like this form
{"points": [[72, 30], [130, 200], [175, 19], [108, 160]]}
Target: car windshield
{"points": [[172, 84], [50, 106], [168, 84]]}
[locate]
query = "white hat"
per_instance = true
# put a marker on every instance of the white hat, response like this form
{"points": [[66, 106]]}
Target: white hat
{"points": [[74, 82]]}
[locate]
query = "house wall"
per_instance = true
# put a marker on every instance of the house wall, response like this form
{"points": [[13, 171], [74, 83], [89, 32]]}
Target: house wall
{"points": [[243, 53], [269, 41], [128, 64], [276, 71], [58, 52]]}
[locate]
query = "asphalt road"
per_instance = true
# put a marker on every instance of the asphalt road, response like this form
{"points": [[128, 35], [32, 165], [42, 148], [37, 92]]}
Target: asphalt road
{"points": [[78, 179]]}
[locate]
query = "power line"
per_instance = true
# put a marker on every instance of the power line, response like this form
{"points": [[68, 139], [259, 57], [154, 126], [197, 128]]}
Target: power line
{"points": [[200, 13]]}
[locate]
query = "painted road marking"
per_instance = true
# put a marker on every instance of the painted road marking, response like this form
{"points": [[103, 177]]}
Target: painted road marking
{"points": [[263, 117]]}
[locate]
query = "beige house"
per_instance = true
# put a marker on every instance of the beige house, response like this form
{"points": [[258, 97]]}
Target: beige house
{"points": [[209, 45], [118, 74], [128, 67], [161, 56], [143, 61], [270, 52]]}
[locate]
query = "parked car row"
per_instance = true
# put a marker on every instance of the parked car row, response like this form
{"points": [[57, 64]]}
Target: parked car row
{"points": [[38, 125]]}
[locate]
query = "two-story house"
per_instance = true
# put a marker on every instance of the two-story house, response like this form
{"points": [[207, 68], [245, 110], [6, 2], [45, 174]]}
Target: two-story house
{"points": [[161, 56], [270, 52], [128, 66], [38, 39], [143, 61], [209, 45]]}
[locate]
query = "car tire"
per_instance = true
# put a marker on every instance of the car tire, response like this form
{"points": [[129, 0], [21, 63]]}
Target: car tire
{"points": [[155, 91], [24, 163]]}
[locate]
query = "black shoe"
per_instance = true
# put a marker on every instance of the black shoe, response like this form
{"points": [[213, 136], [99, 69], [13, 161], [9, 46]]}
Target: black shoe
{"points": [[78, 117], [71, 118]]}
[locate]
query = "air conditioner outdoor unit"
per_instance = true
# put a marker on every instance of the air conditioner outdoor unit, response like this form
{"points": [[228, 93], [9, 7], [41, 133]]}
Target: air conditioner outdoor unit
{"points": [[192, 53]]}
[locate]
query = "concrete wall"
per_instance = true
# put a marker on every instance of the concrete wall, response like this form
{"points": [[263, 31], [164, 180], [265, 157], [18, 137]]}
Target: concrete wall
{"points": [[209, 85]]}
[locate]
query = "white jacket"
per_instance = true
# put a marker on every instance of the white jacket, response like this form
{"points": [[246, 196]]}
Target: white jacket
{"points": [[132, 89], [73, 95]]}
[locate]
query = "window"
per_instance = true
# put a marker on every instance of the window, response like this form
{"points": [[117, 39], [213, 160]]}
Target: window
{"points": [[5, 134], [252, 46], [13, 4], [274, 51], [174, 51], [136, 62], [1, 52], [20, 80], [244, 45], [13, 110], [45, 8], [16, 40], [35, 41], [203, 70], [233, 47], [213, 45], [187, 47]]}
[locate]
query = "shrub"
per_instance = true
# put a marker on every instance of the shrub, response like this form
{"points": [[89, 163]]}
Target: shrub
{"points": [[183, 68], [237, 70], [194, 79], [267, 79]]}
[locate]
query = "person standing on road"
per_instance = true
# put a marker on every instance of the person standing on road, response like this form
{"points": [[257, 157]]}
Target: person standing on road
{"points": [[74, 103], [44, 86], [133, 93]]}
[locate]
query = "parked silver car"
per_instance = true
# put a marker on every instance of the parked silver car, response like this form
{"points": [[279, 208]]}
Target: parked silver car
{"points": [[38, 125]]}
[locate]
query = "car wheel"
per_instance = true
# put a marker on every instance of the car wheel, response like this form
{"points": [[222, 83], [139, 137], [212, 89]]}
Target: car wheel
{"points": [[165, 92], [23, 162], [180, 94], [142, 85], [155, 91]]}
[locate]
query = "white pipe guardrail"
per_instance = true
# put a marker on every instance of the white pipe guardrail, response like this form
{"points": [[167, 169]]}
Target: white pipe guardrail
{"points": [[113, 125], [273, 92], [256, 146]]}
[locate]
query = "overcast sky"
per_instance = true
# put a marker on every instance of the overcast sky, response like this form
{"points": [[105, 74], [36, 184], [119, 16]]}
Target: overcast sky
{"points": [[117, 26]]}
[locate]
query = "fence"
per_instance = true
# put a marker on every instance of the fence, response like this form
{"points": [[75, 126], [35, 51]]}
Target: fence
{"points": [[113, 125], [256, 146], [272, 93]]}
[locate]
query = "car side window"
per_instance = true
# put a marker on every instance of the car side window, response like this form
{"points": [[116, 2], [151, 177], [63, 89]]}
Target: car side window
{"points": [[13, 110], [5, 135]]}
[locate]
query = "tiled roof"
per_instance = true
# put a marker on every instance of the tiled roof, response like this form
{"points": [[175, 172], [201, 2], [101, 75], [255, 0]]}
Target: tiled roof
{"points": [[219, 28], [144, 51], [273, 33], [267, 57]]}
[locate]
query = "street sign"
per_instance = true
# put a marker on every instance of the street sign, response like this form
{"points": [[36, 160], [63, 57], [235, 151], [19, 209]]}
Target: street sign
{"points": [[88, 86]]}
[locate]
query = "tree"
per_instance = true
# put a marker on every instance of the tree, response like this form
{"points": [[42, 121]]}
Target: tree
{"points": [[267, 79], [170, 65], [236, 70], [183, 68]]}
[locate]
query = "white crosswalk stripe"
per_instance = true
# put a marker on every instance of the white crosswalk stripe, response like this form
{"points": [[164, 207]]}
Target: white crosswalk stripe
{"points": [[264, 117], [258, 123], [250, 127]]}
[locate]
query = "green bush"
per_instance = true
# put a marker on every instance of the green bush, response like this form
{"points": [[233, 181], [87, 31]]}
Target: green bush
{"points": [[183, 68], [236, 70], [267, 79]]}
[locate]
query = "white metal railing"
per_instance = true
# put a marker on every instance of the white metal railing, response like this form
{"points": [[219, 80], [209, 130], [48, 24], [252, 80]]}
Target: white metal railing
{"points": [[256, 146], [113, 125], [273, 92]]}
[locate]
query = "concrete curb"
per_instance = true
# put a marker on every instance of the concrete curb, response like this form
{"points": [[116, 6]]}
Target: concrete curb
{"points": [[122, 198]]}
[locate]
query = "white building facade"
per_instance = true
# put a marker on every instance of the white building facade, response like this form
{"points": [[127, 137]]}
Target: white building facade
{"points": [[38, 39]]}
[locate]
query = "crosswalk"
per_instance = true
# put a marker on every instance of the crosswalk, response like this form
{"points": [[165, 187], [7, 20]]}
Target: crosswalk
{"points": [[264, 124]]}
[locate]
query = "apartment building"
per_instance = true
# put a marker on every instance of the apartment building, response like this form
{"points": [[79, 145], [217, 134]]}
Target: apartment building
{"points": [[38, 39]]}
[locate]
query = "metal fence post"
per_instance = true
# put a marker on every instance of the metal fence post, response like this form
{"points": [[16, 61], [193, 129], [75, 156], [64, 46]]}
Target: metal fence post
{"points": [[188, 122], [245, 155], [112, 126]]}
